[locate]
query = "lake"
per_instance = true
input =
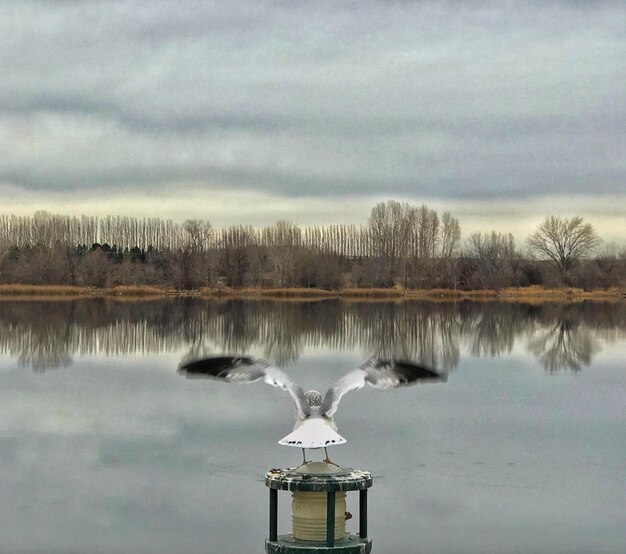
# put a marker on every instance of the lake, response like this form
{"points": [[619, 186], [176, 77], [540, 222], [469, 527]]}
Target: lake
{"points": [[105, 448]]}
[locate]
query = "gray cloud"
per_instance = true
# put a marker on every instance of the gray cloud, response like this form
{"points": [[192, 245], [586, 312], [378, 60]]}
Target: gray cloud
{"points": [[440, 100]]}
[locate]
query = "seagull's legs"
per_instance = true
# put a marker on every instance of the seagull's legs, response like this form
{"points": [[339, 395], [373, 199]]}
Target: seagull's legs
{"points": [[304, 460], [327, 459]]}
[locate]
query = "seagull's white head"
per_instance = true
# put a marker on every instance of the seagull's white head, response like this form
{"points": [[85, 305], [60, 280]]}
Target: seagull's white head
{"points": [[313, 398]]}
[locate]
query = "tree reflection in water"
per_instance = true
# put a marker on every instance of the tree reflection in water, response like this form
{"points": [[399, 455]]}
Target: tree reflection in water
{"points": [[45, 335], [567, 343]]}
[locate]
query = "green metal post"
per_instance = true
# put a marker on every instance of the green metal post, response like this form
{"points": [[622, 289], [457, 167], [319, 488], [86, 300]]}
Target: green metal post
{"points": [[363, 513], [273, 514], [330, 518]]}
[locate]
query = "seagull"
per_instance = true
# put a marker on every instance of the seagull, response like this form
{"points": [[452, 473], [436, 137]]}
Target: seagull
{"points": [[314, 426]]}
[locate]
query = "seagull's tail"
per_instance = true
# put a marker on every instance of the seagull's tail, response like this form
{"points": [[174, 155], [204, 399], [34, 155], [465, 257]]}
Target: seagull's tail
{"points": [[313, 433]]}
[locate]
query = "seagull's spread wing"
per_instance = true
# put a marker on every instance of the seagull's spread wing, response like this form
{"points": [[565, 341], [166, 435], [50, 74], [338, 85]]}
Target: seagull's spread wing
{"points": [[246, 370], [380, 374]]}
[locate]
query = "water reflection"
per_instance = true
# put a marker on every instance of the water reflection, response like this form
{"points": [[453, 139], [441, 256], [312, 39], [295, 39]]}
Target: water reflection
{"points": [[45, 335], [565, 344]]}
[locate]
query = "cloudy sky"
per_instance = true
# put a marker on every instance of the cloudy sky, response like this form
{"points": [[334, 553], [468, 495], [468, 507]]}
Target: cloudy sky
{"points": [[253, 111]]}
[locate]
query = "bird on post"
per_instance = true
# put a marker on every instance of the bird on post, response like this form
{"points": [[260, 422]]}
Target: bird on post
{"points": [[314, 426]]}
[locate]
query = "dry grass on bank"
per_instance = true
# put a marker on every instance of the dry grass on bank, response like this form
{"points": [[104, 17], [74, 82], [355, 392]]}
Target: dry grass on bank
{"points": [[42, 290], [561, 294], [66, 292], [534, 294]]}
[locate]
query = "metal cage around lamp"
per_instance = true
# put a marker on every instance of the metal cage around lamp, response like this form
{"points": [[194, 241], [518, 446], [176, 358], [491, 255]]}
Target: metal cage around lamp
{"points": [[318, 510]]}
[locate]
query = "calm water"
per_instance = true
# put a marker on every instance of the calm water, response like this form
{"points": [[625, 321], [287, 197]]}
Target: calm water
{"points": [[104, 448]]}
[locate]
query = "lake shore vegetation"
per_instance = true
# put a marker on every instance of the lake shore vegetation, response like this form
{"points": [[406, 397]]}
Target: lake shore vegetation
{"points": [[534, 293], [402, 251]]}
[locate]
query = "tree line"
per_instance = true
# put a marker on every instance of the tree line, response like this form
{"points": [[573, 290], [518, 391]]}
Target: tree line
{"points": [[400, 245]]}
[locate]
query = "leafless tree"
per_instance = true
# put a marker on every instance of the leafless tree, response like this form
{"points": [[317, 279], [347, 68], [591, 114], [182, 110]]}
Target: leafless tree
{"points": [[284, 243], [450, 235], [234, 259], [199, 234], [423, 239], [94, 268], [492, 253], [564, 241], [390, 225], [450, 243]]}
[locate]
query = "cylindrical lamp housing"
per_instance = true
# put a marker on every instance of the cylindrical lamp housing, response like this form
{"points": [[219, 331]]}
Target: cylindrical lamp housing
{"points": [[308, 515]]}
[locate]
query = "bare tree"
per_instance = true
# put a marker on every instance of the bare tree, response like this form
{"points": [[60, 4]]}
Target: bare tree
{"points": [[450, 243], [450, 235], [199, 234], [94, 268], [422, 244], [234, 258], [190, 260], [284, 241], [492, 253], [390, 226], [564, 241], [5, 248]]}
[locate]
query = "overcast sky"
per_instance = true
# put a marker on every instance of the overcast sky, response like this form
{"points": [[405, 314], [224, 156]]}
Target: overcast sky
{"points": [[251, 111]]}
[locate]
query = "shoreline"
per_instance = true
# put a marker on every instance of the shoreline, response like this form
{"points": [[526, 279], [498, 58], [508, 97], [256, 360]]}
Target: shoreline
{"points": [[145, 292]]}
